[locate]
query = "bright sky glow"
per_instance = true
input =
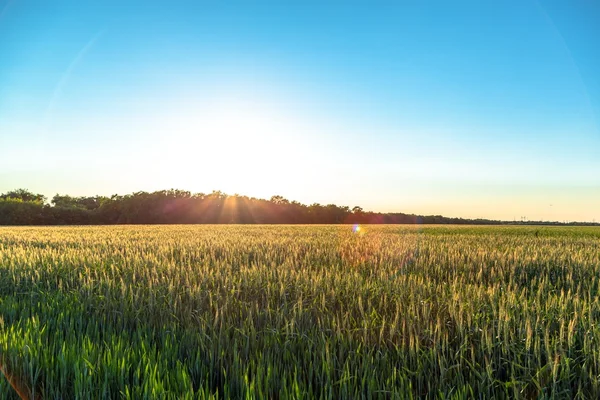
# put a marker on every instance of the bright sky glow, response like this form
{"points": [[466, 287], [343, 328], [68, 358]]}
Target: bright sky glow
{"points": [[464, 109]]}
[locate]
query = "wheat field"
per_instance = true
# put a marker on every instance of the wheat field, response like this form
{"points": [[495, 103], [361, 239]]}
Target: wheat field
{"points": [[246, 311]]}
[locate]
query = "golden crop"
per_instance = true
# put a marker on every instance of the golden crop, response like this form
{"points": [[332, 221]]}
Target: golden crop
{"points": [[300, 312]]}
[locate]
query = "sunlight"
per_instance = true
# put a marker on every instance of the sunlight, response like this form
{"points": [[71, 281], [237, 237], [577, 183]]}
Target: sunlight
{"points": [[231, 143]]}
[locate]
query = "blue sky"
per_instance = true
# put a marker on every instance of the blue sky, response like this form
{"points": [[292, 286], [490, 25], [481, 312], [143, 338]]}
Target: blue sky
{"points": [[473, 109]]}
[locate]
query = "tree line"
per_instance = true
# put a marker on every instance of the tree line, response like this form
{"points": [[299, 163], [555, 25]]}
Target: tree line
{"points": [[22, 207]]}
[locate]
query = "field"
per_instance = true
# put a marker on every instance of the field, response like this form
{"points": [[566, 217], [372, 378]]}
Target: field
{"points": [[300, 312]]}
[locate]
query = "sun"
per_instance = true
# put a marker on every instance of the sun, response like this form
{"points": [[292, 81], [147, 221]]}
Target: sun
{"points": [[234, 145]]}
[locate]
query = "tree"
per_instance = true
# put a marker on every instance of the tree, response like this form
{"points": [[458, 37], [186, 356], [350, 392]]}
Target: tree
{"points": [[279, 200], [63, 201], [15, 211], [87, 203], [22, 207], [24, 195]]}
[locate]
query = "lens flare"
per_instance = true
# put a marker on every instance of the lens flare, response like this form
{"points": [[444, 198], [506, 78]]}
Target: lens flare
{"points": [[356, 228]]}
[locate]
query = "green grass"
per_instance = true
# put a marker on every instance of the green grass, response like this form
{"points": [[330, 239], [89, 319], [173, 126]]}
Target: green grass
{"points": [[301, 312]]}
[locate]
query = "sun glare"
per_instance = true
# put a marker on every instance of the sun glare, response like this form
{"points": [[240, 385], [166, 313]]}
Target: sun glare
{"points": [[243, 145]]}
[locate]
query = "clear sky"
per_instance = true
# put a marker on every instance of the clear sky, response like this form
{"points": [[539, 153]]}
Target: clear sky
{"points": [[471, 109]]}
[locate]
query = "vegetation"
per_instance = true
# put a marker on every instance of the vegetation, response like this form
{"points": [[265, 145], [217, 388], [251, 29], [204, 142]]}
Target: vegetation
{"points": [[21, 207], [217, 311]]}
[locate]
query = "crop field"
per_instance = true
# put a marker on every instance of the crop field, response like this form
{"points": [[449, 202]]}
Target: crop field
{"points": [[300, 312]]}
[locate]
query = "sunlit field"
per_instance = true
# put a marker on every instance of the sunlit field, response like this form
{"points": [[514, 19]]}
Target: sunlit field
{"points": [[300, 312]]}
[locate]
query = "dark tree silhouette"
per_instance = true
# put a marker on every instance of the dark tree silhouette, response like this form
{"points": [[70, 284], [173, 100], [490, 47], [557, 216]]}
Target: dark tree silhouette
{"points": [[22, 207]]}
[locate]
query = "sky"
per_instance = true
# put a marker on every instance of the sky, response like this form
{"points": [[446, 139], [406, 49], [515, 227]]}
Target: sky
{"points": [[469, 109]]}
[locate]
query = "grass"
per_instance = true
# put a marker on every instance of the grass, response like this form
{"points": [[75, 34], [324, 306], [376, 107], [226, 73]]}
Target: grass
{"points": [[300, 312]]}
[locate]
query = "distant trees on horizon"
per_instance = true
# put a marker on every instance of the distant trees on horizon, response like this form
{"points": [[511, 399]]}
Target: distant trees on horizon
{"points": [[22, 207]]}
